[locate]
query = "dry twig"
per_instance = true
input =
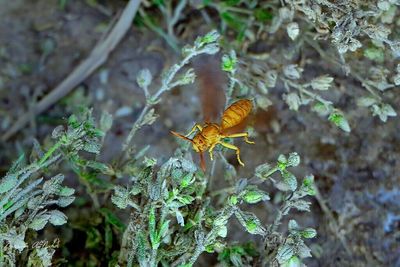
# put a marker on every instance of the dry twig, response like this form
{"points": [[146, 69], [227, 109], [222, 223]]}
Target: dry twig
{"points": [[96, 58]]}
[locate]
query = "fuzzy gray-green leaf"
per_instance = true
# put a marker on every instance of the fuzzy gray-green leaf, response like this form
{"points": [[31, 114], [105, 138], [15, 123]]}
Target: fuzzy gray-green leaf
{"points": [[39, 221], [7, 183], [308, 233], [57, 217], [289, 179], [285, 252], [65, 201]]}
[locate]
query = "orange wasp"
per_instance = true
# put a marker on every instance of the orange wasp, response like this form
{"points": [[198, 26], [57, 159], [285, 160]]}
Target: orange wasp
{"points": [[211, 134]]}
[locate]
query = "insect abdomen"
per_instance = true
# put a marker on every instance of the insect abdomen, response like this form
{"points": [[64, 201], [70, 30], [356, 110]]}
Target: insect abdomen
{"points": [[236, 113]]}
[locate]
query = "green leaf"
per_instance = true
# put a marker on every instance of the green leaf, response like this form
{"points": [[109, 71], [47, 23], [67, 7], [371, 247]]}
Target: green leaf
{"points": [[234, 22], [108, 238], [16, 241], [154, 238], [7, 183], [144, 78], [383, 111], [209, 38], [158, 2], [293, 226], [164, 229], [322, 109], [106, 121], [302, 205], [179, 218], [93, 238], [176, 174], [222, 231], [289, 179], [231, 2], [262, 15], [233, 200], [262, 171], [302, 250], [57, 217], [120, 198], [187, 179], [340, 121], [293, 160], [101, 167], [185, 199], [294, 261], [308, 233], [53, 185], [366, 101], [65, 201], [285, 252], [250, 222], [39, 222], [293, 100], [66, 191], [17, 164], [375, 54], [293, 72], [92, 147], [253, 195], [282, 162], [229, 62], [396, 79], [73, 121], [293, 30], [308, 185], [321, 83], [142, 248], [112, 219]]}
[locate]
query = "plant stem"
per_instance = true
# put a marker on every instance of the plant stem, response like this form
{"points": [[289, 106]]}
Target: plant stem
{"points": [[306, 92], [153, 258], [172, 42], [135, 127], [49, 153], [154, 99]]}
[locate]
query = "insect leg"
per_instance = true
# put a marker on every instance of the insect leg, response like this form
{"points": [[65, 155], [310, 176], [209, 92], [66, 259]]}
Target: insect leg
{"points": [[196, 126], [234, 148], [245, 135], [211, 151]]}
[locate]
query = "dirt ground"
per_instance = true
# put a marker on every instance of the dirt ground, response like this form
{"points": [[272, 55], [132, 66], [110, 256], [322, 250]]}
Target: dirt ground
{"points": [[357, 173]]}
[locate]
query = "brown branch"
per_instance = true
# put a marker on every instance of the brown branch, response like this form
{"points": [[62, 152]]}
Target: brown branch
{"points": [[96, 58]]}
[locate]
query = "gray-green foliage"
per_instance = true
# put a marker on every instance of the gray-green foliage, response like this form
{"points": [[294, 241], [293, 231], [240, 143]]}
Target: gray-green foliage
{"points": [[369, 26], [30, 197], [175, 223]]}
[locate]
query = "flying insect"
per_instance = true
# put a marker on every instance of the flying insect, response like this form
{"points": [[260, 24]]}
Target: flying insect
{"points": [[211, 134]]}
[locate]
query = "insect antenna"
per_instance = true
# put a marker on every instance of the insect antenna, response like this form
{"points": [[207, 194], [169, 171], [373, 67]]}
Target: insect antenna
{"points": [[181, 136]]}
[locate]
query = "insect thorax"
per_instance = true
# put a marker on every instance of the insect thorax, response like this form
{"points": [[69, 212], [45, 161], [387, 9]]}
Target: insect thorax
{"points": [[208, 136]]}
